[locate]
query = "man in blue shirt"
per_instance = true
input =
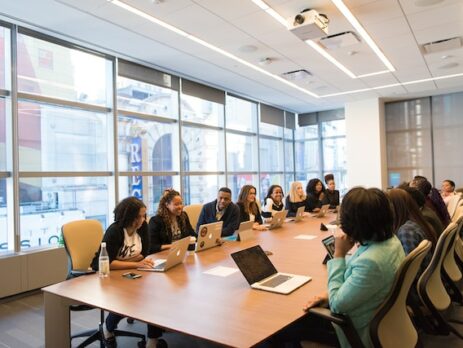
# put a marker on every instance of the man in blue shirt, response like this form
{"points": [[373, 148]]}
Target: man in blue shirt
{"points": [[222, 209]]}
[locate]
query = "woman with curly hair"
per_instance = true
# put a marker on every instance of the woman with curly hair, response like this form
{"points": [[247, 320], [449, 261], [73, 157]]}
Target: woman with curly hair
{"points": [[170, 223], [315, 194], [249, 210]]}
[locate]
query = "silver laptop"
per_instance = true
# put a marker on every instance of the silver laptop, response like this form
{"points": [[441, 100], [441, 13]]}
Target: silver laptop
{"points": [[261, 273], [322, 212], [299, 215], [245, 231], [209, 236], [176, 256], [277, 220]]}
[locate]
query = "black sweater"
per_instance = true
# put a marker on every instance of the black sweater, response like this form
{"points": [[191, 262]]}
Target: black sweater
{"points": [[161, 234]]}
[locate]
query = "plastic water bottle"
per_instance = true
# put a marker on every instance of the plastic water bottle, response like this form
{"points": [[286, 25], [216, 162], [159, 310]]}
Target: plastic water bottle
{"points": [[103, 267]]}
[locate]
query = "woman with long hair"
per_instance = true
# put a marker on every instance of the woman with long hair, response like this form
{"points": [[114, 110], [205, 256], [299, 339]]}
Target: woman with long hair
{"points": [[170, 223], [410, 225], [296, 198], [127, 244], [249, 210], [315, 194], [433, 198], [331, 196]]}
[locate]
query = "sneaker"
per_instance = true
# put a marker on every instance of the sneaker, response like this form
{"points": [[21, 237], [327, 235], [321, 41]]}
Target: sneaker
{"points": [[161, 343], [110, 342]]}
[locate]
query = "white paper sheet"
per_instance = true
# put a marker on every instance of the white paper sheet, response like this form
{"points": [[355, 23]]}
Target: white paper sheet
{"points": [[305, 236], [221, 271]]}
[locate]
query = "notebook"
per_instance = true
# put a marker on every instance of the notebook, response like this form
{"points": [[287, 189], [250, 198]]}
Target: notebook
{"points": [[209, 236], [277, 220], [323, 210], [299, 215], [261, 273], [176, 256], [245, 231]]}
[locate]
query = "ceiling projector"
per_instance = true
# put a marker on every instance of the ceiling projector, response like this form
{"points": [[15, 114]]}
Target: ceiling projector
{"points": [[309, 25]]}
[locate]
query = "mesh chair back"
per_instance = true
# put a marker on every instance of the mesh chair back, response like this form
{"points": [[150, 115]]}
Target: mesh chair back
{"points": [[82, 240], [431, 290], [391, 325], [453, 204], [193, 212], [449, 264]]}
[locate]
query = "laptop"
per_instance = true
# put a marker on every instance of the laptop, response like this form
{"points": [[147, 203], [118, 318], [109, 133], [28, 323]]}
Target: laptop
{"points": [[209, 236], [277, 220], [245, 231], [261, 273], [322, 212], [299, 215], [176, 256], [338, 216]]}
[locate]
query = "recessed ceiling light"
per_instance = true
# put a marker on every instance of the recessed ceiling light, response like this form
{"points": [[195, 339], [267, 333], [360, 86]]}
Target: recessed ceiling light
{"points": [[265, 61], [423, 3], [446, 56], [247, 48]]}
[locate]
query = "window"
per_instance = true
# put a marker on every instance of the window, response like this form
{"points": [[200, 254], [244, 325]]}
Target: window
{"points": [[6, 236], [237, 181], [201, 111], [201, 188], [203, 149], [51, 70], [307, 152], [69, 133]]}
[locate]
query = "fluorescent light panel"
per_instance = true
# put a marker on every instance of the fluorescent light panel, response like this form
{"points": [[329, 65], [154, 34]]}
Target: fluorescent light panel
{"points": [[208, 45], [356, 24]]}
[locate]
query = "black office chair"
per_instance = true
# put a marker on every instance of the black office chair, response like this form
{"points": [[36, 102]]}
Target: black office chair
{"points": [[82, 239]]}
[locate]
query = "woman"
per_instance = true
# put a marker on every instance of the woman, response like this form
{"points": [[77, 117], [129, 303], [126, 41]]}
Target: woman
{"points": [[315, 194], [359, 285], [331, 194], [447, 191], [296, 198], [249, 210], [170, 223], [273, 202], [433, 199], [409, 224], [127, 243]]}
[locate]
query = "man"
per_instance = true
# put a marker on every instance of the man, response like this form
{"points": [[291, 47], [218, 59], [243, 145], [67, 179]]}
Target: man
{"points": [[222, 209]]}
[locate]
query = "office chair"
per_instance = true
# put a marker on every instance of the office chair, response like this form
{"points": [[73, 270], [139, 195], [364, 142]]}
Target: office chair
{"points": [[391, 326], [451, 271], [431, 289], [453, 204], [193, 212], [82, 240]]}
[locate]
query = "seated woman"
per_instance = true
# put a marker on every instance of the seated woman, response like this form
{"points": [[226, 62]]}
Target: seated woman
{"points": [[331, 194], [249, 210], [447, 191], [409, 224], [315, 194], [296, 198], [170, 223], [433, 198], [127, 243], [273, 202], [356, 286]]}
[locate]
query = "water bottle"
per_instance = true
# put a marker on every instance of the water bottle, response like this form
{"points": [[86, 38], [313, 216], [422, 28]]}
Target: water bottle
{"points": [[103, 266]]}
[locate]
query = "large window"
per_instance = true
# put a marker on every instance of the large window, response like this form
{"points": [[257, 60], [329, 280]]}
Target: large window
{"points": [[424, 138], [320, 147], [63, 126]]}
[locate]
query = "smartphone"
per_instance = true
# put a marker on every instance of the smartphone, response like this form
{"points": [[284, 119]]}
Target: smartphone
{"points": [[328, 243], [131, 275]]}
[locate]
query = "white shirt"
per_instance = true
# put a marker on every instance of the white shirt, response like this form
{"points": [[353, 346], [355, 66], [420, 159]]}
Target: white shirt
{"points": [[131, 247]]}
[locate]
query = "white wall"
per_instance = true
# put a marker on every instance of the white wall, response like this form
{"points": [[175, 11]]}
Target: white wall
{"points": [[366, 144]]}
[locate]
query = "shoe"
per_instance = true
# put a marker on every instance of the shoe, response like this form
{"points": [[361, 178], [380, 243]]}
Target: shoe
{"points": [[161, 343], [110, 342]]}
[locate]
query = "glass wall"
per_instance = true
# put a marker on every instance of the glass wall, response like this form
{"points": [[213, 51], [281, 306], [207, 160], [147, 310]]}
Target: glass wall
{"points": [[423, 138], [320, 147], [88, 138], [64, 99]]}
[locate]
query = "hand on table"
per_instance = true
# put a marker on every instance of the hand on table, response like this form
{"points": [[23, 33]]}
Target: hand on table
{"points": [[317, 301]]}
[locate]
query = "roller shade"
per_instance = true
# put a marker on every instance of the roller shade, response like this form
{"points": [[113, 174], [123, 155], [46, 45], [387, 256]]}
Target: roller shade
{"points": [[271, 115], [148, 75], [203, 92]]}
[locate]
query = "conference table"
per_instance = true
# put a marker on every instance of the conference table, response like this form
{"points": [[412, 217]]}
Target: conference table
{"points": [[220, 309]]}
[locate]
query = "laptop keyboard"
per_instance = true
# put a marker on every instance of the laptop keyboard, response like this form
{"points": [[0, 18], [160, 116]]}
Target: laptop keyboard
{"points": [[275, 281]]}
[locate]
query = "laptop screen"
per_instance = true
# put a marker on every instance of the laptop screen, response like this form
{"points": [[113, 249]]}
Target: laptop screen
{"points": [[254, 264]]}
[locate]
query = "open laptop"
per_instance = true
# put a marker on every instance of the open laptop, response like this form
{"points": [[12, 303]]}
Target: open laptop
{"points": [[322, 212], [299, 215], [209, 236], [245, 231], [261, 273], [277, 220], [176, 256]]}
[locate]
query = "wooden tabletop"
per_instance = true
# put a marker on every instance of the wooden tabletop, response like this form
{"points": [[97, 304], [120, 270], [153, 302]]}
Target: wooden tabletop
{"points": [[220, 309]]}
